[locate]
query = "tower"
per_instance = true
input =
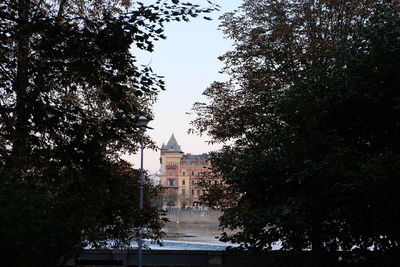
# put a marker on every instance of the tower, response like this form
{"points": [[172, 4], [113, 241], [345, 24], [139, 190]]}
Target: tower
{"points": [[170, 159]]}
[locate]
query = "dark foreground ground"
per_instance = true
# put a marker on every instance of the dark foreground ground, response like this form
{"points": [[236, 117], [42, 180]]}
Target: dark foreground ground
{"points": [[179, 258]]}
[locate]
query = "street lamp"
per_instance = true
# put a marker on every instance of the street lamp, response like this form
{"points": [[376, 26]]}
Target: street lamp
{"points": [[142, 125]]}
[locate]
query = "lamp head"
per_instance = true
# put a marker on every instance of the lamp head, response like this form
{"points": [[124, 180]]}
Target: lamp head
{"points": [[142, 122]]}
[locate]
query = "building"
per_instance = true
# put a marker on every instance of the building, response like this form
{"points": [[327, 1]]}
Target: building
{"points": [[180, 175]]}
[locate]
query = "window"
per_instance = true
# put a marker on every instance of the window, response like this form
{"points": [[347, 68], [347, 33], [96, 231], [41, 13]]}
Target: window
{"points": [[192, 192], [192, 173], [183, 192], [198, 192], [183, 173], [192, 182], [183, 182], [170, 181]]}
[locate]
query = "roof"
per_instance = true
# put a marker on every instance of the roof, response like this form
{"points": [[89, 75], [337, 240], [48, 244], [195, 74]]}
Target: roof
{"points": [[172, 145]]}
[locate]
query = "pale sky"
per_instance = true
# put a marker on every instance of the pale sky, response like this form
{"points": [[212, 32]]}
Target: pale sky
{"points": [[188, 60]]}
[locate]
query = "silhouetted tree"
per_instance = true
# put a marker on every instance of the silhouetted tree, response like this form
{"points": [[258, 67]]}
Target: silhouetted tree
{"points": [[70, 93], [310, 121]]}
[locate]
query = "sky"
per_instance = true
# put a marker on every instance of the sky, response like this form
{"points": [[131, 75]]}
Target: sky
{"points": [[188, 59]]}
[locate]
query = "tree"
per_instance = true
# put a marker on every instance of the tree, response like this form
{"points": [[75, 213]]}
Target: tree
{"points": [[311, 114], [185, 201], [70, 93], [171, 198]]}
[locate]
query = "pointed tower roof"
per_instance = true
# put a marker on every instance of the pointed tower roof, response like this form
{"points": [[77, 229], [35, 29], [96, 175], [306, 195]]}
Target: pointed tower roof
{"points": [[163, 147], [173, 146]]}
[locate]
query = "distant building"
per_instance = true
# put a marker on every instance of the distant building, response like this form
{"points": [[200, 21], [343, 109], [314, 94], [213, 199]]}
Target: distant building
{"points": [[180, 174]]}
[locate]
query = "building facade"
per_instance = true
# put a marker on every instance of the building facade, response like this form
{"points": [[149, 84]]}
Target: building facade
{"points": [[180, 175]]}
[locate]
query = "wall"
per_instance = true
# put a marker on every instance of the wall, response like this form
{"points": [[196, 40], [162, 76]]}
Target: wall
{"points": [[163, 258]]}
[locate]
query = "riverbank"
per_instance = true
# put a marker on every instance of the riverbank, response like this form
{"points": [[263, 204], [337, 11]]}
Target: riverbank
{"points": [[204, 215], [193, 226]]}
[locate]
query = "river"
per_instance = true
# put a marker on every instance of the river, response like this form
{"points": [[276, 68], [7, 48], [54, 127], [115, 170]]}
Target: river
{"points": [[191, 236], [192, 230]]}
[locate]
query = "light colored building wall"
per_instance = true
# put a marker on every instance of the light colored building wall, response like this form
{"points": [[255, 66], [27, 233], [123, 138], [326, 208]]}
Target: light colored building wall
{"points": [[170, 166], [184, 197], [181, 172]]}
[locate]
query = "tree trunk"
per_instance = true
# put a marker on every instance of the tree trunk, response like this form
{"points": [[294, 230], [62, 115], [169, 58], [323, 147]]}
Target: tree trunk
{"points": [[316, 237], [21, 150]]}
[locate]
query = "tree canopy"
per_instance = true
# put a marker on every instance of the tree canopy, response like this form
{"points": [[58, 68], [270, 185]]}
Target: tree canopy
{"points": [[310, 123], [70, 95]]}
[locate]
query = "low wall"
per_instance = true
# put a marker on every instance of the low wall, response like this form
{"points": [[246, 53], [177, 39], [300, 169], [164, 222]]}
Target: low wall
{"points": [[164, 258], [155, 258]]}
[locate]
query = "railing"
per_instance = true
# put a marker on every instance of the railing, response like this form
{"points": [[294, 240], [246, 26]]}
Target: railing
{"points": [[171, 166], [170, 186]]}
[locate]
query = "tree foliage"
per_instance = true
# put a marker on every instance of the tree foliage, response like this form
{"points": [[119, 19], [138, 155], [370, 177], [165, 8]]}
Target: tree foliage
{"points": [[310, 123], [70, 93]]}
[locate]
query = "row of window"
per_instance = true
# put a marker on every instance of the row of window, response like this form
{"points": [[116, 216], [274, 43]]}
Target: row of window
{"points": [[184, 173], [171, 182], [193, 173], [193, 182], [184, 192], [195, 163]]}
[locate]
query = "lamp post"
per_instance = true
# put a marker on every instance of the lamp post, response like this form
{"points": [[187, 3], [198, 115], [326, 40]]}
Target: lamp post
{"points": [[142, 125]]}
